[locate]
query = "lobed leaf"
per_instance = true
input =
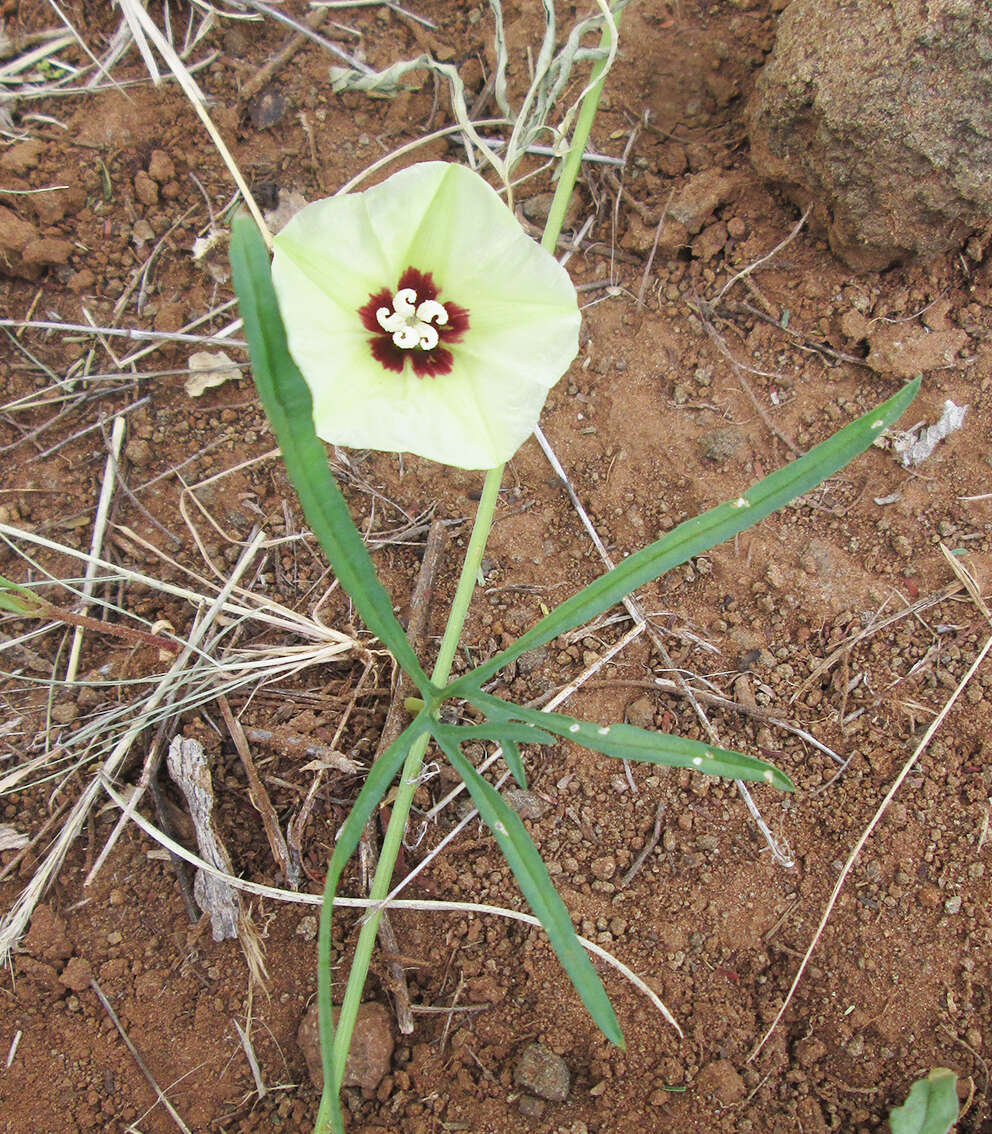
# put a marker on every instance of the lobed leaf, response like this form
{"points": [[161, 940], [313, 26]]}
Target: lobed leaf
{"points": [[537, 887], [626, 742], [289, 408], [699, 534]]}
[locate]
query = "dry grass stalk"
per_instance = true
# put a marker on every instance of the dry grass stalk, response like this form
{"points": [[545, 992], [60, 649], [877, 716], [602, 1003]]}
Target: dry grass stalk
{"points": [[968, 582]]}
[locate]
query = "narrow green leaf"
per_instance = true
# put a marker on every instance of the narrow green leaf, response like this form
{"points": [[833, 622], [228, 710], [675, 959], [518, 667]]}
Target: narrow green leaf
{"points": [[700, 534], [537, 888], [931, 1107], [18, 600], [514, 761], [289, 408], [505, 728], [381, 775], [507, 734], [626, 742]]}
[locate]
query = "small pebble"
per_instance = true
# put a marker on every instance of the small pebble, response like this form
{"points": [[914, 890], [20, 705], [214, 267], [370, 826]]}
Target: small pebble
{"points": [[542, 1072], [307, 928]]}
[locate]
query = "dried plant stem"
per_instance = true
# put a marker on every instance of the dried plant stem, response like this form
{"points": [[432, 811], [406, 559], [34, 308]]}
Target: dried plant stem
{"points": [[866, 835], [96, 544], [173, 1114], [114, 629]]}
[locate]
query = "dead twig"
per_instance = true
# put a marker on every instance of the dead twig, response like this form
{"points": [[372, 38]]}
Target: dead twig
{"points": [[266, 73], [649, 846], [866, 835], [260, 797], [654, 248], [170, 1109]]}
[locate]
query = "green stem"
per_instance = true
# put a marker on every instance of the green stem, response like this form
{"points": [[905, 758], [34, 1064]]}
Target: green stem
{"points": [[573, 159], [403, 801]]}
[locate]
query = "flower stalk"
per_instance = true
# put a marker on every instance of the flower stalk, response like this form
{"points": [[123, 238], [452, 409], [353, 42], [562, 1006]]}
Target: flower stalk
{"points": [[335, 1057]]}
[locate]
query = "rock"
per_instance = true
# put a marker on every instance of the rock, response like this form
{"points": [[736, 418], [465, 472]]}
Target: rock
{"points": [[81, 281], [721, 1080], [720, 445], [640, 712], [46, 938], [65, 712], [640, 236], [710, 241], [671, 159], [904, 350], [371, 1046], [22, 157], [531, 1107], [532, 659], [307, 927], [51, 206], [701, 195], [139, 452], [142, 233], [160, 167], [737, 228], [543, 1073], [484, 990], [145, 189], [604, 868], [878, 116], [536, 209], [854, 326], [48, 250], [809, 1051], [15, 236], [76, 975], [525, 803]]}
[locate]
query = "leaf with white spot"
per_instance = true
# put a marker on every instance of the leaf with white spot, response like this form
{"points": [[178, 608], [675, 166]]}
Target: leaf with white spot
{"points": [[626, 742]]}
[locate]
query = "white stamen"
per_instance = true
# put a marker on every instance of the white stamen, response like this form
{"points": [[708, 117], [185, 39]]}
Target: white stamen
{"points": [[405, 302], [406, 337], [410, 324], [389, 320]]}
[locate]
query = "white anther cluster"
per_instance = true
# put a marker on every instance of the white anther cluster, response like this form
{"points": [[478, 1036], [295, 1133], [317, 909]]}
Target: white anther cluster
{"points": [[410, 323]]}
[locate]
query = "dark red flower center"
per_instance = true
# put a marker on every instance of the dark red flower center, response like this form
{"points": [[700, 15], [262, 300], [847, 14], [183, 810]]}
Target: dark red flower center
{"points": [[410, 324]]}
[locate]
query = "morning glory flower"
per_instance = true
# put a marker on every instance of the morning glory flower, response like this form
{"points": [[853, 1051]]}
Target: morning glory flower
{"points": [[423, 318]]}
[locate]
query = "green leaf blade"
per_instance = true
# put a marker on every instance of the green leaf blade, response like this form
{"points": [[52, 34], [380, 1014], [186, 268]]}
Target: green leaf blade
{"points": [[514, 761], [537, 887], [289, 408], [700, 534], [625, 742], [931, 1107]]}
